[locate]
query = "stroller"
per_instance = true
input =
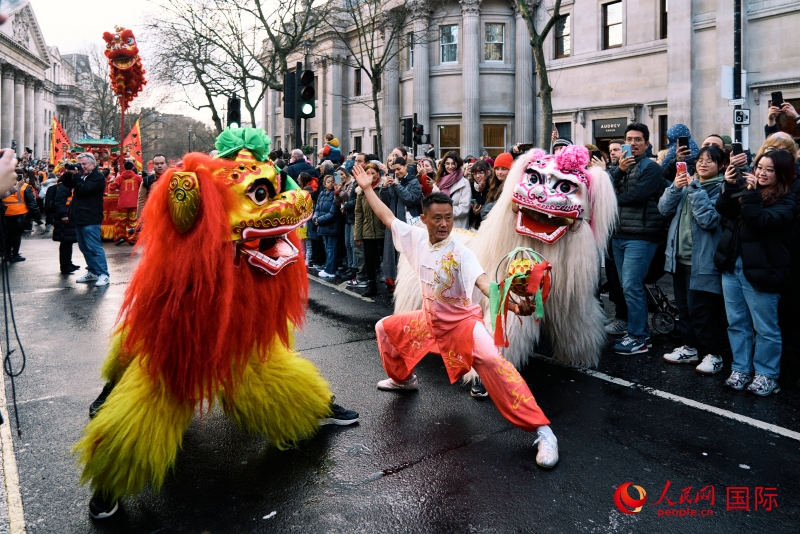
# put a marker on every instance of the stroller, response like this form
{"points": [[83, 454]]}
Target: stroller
{"points": [[665, 313]]}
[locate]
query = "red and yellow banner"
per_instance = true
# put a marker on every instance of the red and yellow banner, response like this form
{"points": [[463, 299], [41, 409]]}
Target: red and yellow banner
{"points": [[59, 143], [132, 146]]}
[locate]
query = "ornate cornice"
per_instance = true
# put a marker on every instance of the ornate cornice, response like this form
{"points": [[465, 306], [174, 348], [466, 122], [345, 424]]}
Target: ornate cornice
{"points": [[421, 9], [470, 7]]}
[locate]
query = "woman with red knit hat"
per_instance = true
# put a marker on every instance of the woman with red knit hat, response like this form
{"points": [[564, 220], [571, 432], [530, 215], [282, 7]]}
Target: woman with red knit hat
{"points": [[502, 164]]}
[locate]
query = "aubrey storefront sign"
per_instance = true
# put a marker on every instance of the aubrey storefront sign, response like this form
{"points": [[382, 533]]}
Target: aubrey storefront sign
{"points": [[606, 128]]}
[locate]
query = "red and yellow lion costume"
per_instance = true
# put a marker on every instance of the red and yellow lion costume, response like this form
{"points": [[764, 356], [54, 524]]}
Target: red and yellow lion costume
{"points": [[126, 71], [209, 314]]}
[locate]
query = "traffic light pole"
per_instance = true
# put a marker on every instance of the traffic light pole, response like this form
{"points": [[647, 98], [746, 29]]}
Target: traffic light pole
{"points": [[414, 149], [298, 139]]}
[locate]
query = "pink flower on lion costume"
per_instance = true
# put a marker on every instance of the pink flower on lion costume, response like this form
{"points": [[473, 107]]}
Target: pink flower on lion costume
{"points": [[564, 211]]}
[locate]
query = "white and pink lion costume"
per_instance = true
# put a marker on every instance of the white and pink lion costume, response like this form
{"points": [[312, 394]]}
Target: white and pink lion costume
{"points": [[565, 211]]}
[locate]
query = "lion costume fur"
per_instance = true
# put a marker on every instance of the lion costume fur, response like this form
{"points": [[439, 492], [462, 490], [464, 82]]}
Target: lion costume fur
{"points": [[573, 315]]}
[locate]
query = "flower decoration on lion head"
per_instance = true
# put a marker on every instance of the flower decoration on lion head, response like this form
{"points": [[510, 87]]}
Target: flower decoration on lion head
{"points": [[553, 194]]}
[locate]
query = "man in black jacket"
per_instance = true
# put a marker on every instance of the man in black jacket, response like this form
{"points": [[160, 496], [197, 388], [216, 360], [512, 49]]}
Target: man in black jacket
{"points": [[638, 183], [299, 164], [86, 212], [59, 198]]}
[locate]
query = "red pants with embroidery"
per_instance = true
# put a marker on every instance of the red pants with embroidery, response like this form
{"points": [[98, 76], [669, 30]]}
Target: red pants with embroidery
{"points": [[126, 219], [502, 381]]}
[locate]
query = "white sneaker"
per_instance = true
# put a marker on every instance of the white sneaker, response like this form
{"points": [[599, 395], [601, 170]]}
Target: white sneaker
{"points": [[548, 447], [710, 365], [682, 354], [88, 277], [323, 274], [393, 385], [102, 280]]}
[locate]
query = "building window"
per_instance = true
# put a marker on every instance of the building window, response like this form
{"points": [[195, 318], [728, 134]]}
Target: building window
{"points": [[449, 139], [564, 129], [448, 39], [357, 89], [357, 143], [410, 49], [493, 47], [612, 25], [663, 126], [663, 29], [277, 143], [494, 139], [563, 43]]}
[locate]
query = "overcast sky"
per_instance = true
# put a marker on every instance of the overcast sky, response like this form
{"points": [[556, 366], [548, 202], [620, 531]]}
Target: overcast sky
{"points": [[72, 26]]}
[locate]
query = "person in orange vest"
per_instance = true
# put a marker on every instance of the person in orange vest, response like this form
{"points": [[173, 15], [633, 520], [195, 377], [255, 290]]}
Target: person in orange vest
{"points": [[18, 206], [127, 185]]}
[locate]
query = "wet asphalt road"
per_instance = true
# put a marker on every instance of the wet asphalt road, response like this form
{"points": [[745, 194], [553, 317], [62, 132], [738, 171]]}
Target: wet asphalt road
{"points": [[435, 460]]}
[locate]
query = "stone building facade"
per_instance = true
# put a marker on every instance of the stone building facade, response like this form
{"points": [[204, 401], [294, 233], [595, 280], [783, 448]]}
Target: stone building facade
{"points": [[610, 62], [36, 85]]}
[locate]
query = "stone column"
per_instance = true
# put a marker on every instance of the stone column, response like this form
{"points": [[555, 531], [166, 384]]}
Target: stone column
{"points": [[421, 67], [7, 108], [334, 118], [471, 133], [29, 139], [523, 82], [40, 148], [19, 111], [679, 64], [390, 119]]}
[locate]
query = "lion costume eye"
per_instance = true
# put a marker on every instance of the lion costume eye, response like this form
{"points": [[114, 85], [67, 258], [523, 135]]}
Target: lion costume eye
{"points": [[259, 195], [565, 187], [130, 41], [534, 177]]}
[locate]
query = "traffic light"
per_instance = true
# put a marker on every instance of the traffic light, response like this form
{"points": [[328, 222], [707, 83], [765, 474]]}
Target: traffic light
{"points": [[289, 95], [419, 134], [306, 95], [408, 131], [234, 112]]}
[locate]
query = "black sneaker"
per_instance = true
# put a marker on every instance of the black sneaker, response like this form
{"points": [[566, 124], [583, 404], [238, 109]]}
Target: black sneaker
{"points": [[101, 508], [16, 258], [100, 400], [340, 416], [478, 391]]}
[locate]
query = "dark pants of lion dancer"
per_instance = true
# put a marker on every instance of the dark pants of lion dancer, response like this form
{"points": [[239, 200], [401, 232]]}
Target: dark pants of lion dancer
{"points": [[404, 339]]}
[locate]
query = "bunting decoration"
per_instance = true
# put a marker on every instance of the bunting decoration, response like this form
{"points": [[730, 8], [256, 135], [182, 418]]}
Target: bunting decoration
{"points": [[59, 142], [132, 146]]}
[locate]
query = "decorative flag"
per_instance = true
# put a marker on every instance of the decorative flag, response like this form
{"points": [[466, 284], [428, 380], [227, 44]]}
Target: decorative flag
{"points": [[59, 142], [132, 146]]}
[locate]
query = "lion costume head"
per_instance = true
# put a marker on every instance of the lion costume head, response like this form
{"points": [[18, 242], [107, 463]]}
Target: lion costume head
{"points": [[125, 65]]}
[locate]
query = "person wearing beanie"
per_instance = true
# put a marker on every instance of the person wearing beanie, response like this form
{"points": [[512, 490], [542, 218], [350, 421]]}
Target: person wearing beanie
{"points": [[560, 143], [502, 164], [331, 152]]}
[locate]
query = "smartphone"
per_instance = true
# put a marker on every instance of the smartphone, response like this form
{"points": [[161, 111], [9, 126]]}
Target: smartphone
{"points": [[597, 154], [680, 166], [736, 149], [626, 151], [777, 98], [683, 141]]}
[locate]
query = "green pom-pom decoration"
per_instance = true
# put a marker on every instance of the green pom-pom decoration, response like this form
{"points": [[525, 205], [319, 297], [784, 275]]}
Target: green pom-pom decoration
{"points": [[232, 140]]}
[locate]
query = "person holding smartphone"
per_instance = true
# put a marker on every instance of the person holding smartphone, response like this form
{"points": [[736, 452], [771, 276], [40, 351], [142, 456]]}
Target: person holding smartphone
{"points": [[755, 264], [777, 107], [638, 183], [681, 147], [692, 239]]}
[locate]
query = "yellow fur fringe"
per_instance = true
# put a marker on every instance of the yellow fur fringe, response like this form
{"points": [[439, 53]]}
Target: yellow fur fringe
{"points": [[135, 437]]}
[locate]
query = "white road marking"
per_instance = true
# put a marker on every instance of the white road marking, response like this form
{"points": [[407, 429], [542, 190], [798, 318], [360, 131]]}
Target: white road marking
{"points": [[699, 405], [16, 515], [341, 287]]}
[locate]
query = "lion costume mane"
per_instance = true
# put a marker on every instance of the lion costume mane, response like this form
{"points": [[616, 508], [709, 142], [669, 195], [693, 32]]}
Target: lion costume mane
{"points": [[565, 211], [209, 314]]}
